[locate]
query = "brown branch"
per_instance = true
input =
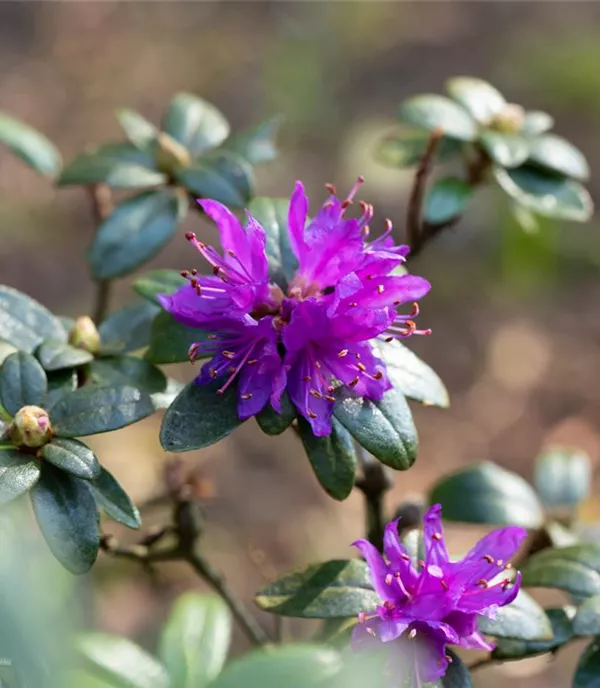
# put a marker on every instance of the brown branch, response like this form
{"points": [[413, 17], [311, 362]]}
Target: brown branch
{"points": [[100, 197]]}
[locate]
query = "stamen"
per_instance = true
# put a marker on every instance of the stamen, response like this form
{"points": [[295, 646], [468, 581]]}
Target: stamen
{"points": [[307, 378], [499, 562], [354, 382], [449, 659], [412, 634], [436, 536], [213, 373], [362, 617], [329, 398], [388, 579], [311, 414], [362, 367], [505, 583], [380, 288], [444, 585], [330, 189], [378, 375], [389, 605], [353, 304], [316, 394], [421, 563], [370, 631], [508, 566], [360, 180], [342, 353], [184, 273], [252, 361], [405, 557], [228, 354], [489, 558], [245, 397], [483, 583]]}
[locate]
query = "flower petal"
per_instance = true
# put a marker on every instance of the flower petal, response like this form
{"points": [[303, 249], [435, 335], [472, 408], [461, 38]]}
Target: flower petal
{"points": [[378, 569], [297, 220], [433, 536]]}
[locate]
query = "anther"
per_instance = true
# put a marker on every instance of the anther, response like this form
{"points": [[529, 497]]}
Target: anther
{"points": [[316, 394], [185, 273], [318, 364], [378, 375], [505, 583], [444, 585], [362, 367], [346, 204], [353, 304], [194, 272], [380, 288], [308, 378], [370, 631], [389, 605], [190, 236], [245, 397], [489, 558], [231, 253], [329, 398], [483, 583], [252, 361], [354, 382], [311, 414], [213, 373], [404, 557], [342, 353], [388, 339], [508, 566], [499, 562], [412, 634], [449, 659], [330, 188], [436, 536], [228, 354], [421, 563], [388, 579], [362, 617]]}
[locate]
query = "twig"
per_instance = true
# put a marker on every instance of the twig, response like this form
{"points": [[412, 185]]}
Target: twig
{"points": [[102, 208], [374, 483]]}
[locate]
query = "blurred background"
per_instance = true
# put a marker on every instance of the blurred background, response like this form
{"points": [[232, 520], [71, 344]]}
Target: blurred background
{"points": [[514, 314]]}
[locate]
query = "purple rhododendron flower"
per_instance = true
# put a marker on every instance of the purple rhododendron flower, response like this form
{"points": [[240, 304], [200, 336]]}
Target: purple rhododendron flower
{"points": [[423, 610], [317, 335]]}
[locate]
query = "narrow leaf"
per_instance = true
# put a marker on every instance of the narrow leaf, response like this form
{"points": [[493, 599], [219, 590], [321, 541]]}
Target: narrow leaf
{"points": [[127, 370], [195, 123], [18, 474], [139, 130], [430, 111], [256, 145], [447, 199], [563, 477], [127, 329], [479, 98], [22, 382], [57, 355], [29, 145], [523, 619], [558, 155], [158, 282], [575, 569], [73, 457], [273, 423], [114, 501], [587, 619]]}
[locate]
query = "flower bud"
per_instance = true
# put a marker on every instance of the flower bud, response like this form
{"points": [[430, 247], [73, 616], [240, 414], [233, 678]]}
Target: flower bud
{"points": [[31, 427], [509, 120], [84, 335], [170, 154]]}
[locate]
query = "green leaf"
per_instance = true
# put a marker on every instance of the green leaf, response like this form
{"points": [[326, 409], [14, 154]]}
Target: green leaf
{"points": [[127, 370], [256, 145], [135, 232], [523, 619], [562, 632], [536, 122], [457, 674], [29, 145], [121, 662], [335, 589], [487, 493], [72, 456], [158, 282], [6, 350], [575, 569], [430, 111], [446, 199], [222, 176], [558, 155], [26, 323], [195, 123], [587, 619], [60, 382], [273, 423], [508, 150], [22, 382], [332, 458], [127, 329], [546, 194], [294, 666], [563, 477], [67, 516], [18, 474], [199, 417], [587, 674], [195, 640], [406, 148], [119, 165], [139, 130], [272, 213], [114, 501], [170, 340], [409, 374], [385, 429], [90, 410], [57, 355], [481, 100]]}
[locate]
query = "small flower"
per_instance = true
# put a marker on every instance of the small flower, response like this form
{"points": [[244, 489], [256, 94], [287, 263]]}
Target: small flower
{"points": [[426, 608], [314, 338]]}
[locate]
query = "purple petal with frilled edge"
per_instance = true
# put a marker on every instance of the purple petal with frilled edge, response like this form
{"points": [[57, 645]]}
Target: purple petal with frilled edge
{"points": [[257, 241], [423, 656], [398, 556], [370, 634], [476, 641], [433, 537], [378, 569], [233, 236], [297, 219], [478, 599], [307, 391]]}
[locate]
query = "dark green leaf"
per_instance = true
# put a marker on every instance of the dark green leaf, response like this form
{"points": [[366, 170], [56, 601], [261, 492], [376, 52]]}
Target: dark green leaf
{"points": [[385, 429], [272, 213], [332, 458], [60, 382], [18, 474], [273, 423], [575, 569], [446, 199], [523, 619], [546, 194], [135, 232], [536, 122], [170, 340], [114, 501], [562, 632], [457, 675], [67, 516], [558, 155], [25, 323], [121, 662], [158, 282], [406, 148], [6, 350], [222, 176], [430, 111], [563, 477], [119, 165], [56, 355], [195, 640], [479, 98], [199, 417], [127, 329], [256, 145], [486, 493], [72, 456], [139, 130], [506, 149], [335, 589], [587, 674], [587, 620], [294, 666], [195, 123], [22, 382], [127, 370], [414, 378], [31, 146], [90, 410]]}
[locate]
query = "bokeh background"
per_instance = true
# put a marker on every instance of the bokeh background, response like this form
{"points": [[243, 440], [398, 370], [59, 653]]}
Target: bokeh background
{"points": [[514, 314]]}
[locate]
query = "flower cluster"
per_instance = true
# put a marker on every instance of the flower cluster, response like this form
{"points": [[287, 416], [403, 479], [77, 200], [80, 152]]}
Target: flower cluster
{"points": [[422, 610], [316, 335]]}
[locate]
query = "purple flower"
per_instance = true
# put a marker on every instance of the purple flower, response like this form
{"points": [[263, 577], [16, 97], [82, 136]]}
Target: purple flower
{"points": [[318, 335], [426, 608]]}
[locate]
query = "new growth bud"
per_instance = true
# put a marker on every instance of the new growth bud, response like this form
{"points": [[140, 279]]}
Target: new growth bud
{"points": [[85, 335], [31, 427], [509, 120], [170, 154]]}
